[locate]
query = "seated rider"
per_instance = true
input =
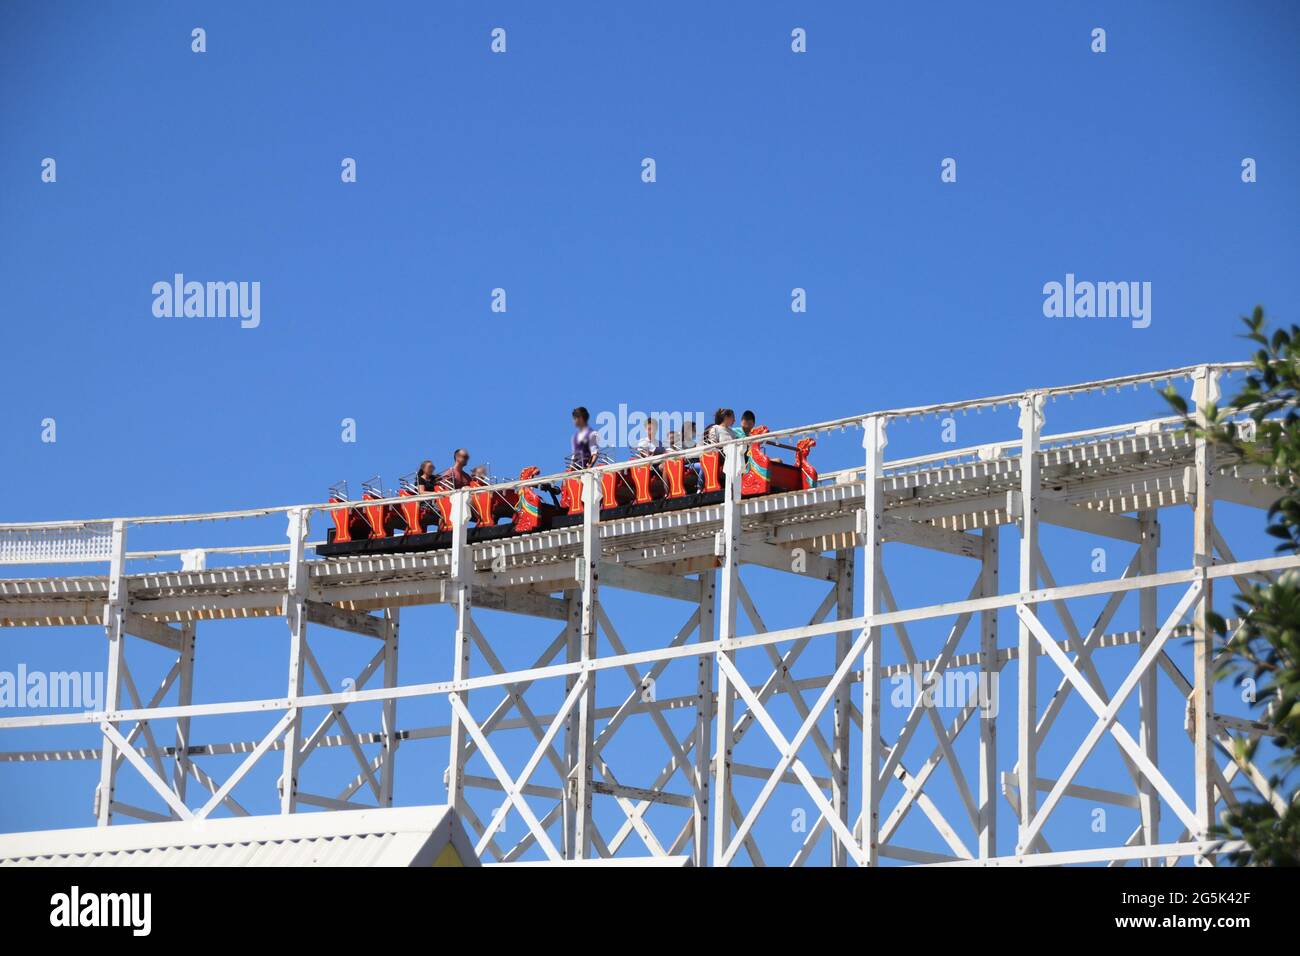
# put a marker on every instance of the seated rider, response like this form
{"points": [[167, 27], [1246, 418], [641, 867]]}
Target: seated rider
{"points": [[746, 427], [720, 430], [426, 479], [746, 424], [649, 445], [584, 445], [456, 476]]}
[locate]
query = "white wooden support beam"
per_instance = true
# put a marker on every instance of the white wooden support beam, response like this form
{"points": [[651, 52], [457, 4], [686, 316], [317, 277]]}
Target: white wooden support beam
{"points": [[729, 541], [461, 581], [388, 714], [572, 644], [144, 728], [139, 813], [354, 622], [156, 783], [1083, 857], [1107, 713], [115, 632], [587, 651], [647, 582], [512, 602], [263, 746], [88, 612], [1253, 494], [1062, 514], [644, 794], [214, 607], [1081, 792], [156, 632], [786, 536], [562, 574], [515, 789], [428, 590], [529, 605], [872, 530], [841, 733], [1205, 390], [789, 751], [512, 788], [989, 671], [295, 611], [1031, 425], [703, 722], [783, 559], [1148, 710], [929, 536], [184, 697]]}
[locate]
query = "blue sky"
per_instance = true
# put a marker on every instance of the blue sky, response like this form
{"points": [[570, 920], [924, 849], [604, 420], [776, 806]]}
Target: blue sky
{"points": [[522, 171]]}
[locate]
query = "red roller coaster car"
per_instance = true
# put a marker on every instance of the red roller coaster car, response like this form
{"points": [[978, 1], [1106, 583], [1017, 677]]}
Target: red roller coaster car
{"points": [[692, 480]]}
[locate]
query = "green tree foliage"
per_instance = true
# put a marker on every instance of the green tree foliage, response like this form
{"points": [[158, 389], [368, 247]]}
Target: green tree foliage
{"points": [[1265, 648]]}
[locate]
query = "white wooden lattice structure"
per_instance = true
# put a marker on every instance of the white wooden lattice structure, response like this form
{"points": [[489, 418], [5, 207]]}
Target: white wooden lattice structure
{"points": [[847, 762]]}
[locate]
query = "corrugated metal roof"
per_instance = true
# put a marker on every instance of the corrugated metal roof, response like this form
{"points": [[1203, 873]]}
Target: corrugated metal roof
{"points": [[405, 836], [602, 862]]}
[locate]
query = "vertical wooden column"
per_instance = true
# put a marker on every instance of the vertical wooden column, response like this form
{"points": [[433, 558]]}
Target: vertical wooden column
{"points": [[184, 697], [989, 681], [589, 591], [704, 721], [1205, 390], [388, 713], [295, 612], [461, 582], [871, 531], [1031, 426], [115, 632], [845, 570], [573, 653], [727, 548], [1148, 712]]}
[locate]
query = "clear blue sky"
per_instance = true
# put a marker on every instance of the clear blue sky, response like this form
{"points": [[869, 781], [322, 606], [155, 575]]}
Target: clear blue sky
{"points": [[775, 170]]}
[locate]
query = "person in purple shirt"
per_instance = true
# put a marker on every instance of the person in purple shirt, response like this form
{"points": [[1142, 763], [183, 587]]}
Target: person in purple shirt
{"points": [[584, 444]]}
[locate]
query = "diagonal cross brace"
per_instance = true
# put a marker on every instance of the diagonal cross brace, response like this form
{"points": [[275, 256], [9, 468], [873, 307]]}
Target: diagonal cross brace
{"points": [[1108, 712]]}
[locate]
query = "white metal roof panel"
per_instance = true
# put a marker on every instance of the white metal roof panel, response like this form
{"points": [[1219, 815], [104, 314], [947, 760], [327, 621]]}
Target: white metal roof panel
{"points": [[406, 836]]}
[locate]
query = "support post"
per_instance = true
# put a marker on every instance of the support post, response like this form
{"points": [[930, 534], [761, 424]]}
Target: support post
{"points": [[727, 549], [589, 585], [388, 713], [1148, 711], [989, 702], [872, 534], [115, 631], [703, 722], [573, 653], [1205, 390], [845, 566], [184, 697], [1031, 425], [295, 612], [462, 572]]}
